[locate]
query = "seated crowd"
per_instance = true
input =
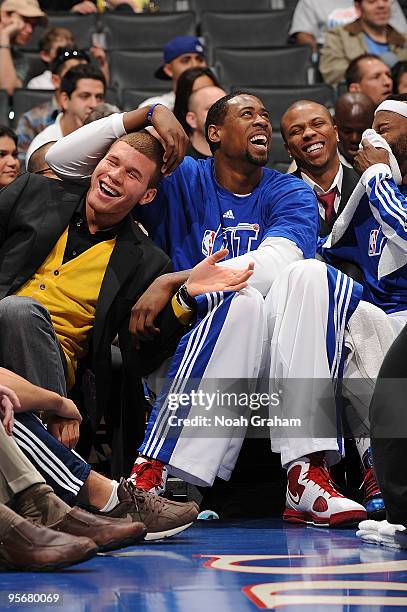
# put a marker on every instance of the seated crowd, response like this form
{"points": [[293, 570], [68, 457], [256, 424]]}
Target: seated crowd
{"points": [[151, 252]]}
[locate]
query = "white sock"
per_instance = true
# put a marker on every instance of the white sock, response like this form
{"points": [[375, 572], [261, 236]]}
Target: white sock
{"points": [[113, 499], [362, 444]]}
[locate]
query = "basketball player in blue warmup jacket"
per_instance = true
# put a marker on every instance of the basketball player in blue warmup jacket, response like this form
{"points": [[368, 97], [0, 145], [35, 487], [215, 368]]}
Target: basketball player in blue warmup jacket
{"points": [[264, 217], [379, 221]]}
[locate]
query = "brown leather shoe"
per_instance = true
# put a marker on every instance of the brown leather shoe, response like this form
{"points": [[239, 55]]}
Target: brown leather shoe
{"points": [[29, 548], [108, 533]]}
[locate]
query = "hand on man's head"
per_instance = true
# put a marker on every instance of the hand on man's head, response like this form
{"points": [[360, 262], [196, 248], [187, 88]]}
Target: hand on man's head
{"points": [[173, 137]]}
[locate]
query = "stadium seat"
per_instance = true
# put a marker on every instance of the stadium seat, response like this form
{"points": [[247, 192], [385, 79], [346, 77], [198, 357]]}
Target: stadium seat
{"points": [[112, 97], [37, 66], [245, 30], [278, 99], [82, 26], [199, 6], [135, 69], [290, 5], [131, 98], [24, 99], [263, 67], [279, 154], [171, 6], [146, 31], [4, 107]]}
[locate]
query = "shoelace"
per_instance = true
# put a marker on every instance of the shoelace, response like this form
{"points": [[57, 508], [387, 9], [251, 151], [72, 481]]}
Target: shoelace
{"points": [[320, 476], [152, 502], [371, 488], [154, 473]]}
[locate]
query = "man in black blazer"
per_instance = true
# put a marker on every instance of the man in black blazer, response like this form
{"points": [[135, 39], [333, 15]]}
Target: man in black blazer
{"points": [[311, 139], [47, 224]]}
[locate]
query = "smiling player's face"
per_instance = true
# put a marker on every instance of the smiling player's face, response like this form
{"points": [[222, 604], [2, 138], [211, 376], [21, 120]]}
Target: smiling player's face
{"points": [[246, 130], [120, 181]]}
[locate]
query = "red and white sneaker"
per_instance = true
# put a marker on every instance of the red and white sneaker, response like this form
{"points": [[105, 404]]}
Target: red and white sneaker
{"points": [[312, 498], [149, 475]]}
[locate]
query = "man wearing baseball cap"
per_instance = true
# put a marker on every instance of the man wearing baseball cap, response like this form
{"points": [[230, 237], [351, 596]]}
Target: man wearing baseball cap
{"points": [[18, 18], [180, 53]]}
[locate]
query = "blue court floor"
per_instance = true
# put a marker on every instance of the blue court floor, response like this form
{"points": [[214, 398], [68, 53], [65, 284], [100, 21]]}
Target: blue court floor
{"points": [[235, 566]]}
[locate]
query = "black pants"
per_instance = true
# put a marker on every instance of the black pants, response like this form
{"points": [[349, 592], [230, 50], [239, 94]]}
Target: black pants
{"points": [[388, 421]]}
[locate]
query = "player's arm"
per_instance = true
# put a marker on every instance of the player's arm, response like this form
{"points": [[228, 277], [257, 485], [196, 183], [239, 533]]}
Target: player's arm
{"points": [[269, 259], [388, 204], [76, 156], [33, 398], [291, 234], [207, 276]]}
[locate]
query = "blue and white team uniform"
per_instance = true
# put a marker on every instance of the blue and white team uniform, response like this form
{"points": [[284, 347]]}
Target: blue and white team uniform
{"points": [[374, 237], [290, 322], [193, 216]]}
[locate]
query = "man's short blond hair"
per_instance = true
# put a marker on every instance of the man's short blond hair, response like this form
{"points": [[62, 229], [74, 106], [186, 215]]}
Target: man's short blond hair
{"points": [[145, 143]]}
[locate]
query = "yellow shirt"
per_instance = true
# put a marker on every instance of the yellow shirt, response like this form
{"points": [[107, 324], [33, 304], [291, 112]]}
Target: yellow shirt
{"points": [[70, 293]]}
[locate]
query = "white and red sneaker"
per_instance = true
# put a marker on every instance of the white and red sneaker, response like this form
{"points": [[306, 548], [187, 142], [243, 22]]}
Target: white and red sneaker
{"points": [[312, 498], [149, 475]]}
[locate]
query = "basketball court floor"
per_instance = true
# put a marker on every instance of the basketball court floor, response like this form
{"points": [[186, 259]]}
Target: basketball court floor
{"points": [[234, 566]]}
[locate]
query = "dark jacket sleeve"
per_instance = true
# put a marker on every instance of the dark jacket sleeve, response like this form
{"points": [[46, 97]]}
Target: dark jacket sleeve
{"points": [[9, 196]]}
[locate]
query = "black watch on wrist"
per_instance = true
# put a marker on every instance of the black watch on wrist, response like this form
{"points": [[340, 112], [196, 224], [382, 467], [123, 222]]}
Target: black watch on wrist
{"points": [[188, 300]]}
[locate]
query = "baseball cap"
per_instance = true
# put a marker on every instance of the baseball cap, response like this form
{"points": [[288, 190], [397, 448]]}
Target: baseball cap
{"points": [[25, 8], [176, 47]]}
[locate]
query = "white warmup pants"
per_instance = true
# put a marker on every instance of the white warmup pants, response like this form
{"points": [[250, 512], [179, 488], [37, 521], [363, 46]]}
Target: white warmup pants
{"points": [[297, 332]]}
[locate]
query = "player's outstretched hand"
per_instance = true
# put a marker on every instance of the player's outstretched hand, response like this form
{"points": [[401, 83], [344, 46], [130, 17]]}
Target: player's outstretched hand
{"points": [[368, 156], [207, 276], [174, 138], [8, 403]]}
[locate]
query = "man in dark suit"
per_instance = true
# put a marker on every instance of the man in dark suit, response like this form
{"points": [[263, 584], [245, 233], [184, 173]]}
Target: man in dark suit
{"points": [[72, 265], [311, 139]]}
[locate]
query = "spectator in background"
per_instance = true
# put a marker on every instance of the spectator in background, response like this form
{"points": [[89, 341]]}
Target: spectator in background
{"points": [[181, 53], [38, 118], [312, 18], [370, 33], [399, 75], [189, 81], [82, 89], [50, 42], [9, 163], [354, 113], [199, 103], [89, 6], [18, 18], [369, 75]]}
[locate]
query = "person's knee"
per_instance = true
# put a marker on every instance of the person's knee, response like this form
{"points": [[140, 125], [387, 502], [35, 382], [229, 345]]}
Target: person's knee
{"points": [[249, 303], [16, 309]]}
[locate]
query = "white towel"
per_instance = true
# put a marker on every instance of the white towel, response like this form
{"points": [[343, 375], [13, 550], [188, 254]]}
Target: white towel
{"points": [[392, 257], [382, 533]]}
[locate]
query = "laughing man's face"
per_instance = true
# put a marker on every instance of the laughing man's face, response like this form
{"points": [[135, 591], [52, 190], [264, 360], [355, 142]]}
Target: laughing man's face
{"points": [[120, 181]]}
